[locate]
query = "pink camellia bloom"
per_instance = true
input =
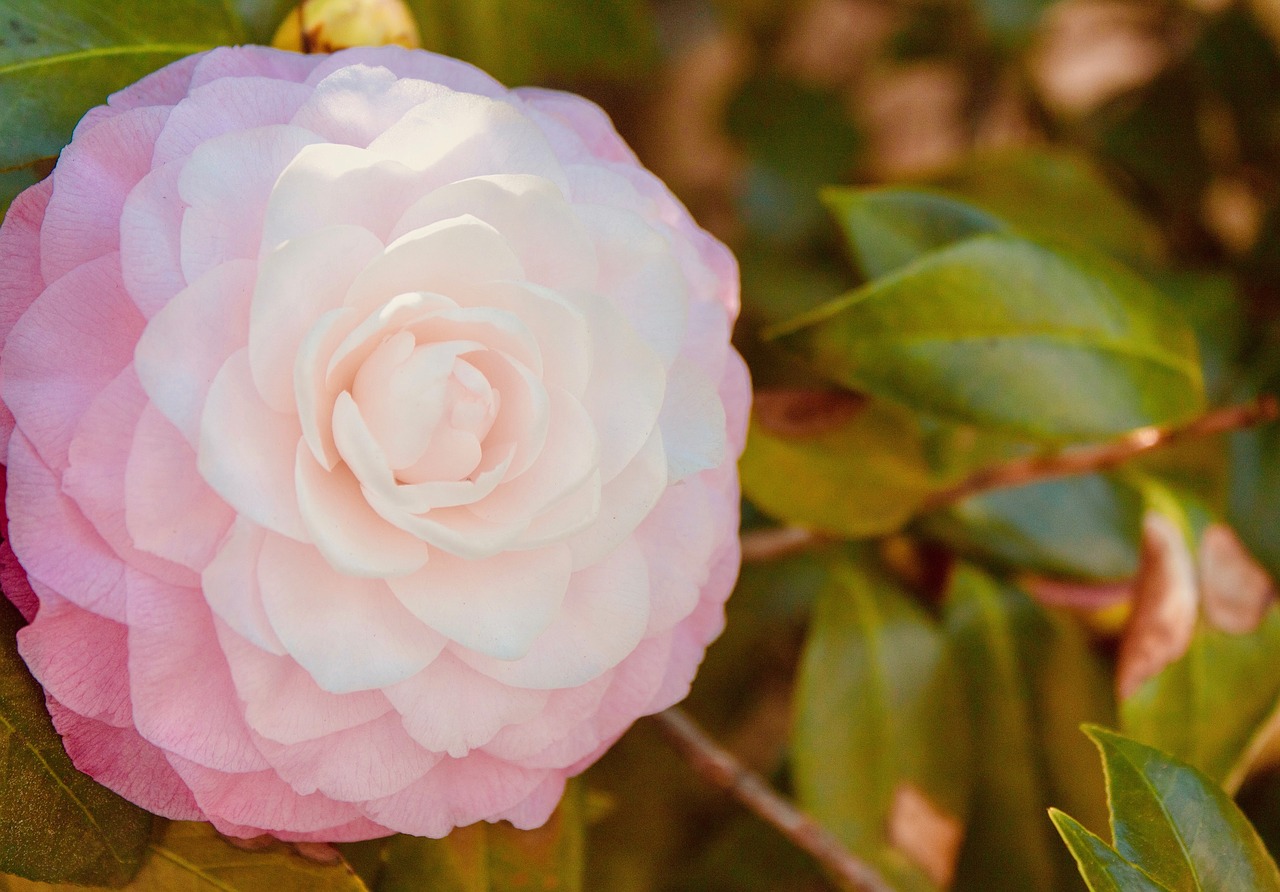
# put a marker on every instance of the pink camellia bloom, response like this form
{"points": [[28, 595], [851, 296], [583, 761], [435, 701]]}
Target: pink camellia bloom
{"points": [[370, 433]]}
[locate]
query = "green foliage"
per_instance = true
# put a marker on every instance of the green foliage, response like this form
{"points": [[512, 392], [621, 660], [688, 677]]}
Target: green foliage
{"points": [[1030, 678], [56, 824], [877, 690], [1003, 332], [524, 41], [482, 857], [192, 857], [1174, 829], [1077, 527]]}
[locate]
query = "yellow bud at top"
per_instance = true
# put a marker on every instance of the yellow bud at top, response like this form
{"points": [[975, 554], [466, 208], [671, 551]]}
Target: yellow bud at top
{"points": [[324, 26]]}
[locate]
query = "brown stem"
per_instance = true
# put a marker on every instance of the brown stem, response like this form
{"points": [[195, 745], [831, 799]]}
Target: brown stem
{"points": [[716, 765], [1087, 459]]}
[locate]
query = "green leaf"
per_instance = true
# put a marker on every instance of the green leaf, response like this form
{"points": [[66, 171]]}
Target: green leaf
{"points": [[1003, 332], [876, 696], [1254, 494], [1178, 825], [1031, 679], [889, 227], [57, 61], [1085, 528], [524, 41], [863, 475], [1101, 866], [192, 857], [1207, 708], [56, 824], [493, 857], [1056, 195]]}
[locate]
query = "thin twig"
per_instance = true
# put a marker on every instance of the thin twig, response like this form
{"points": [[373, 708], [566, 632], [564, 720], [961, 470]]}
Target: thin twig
{"points": [[717, 766], [1088, 459], [768, 545]]}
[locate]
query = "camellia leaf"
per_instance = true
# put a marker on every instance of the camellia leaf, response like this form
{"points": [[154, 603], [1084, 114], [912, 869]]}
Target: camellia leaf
{"points": [[834, 463], [1198, 671], [59, 60], [889, 227], [56, 824], [876, 696], [192, 857], [1031, 680], [1083, 528], [1055, 194], [1173, 828], [523, 41], [492, 857], [1001, 331], [1101, 866]]}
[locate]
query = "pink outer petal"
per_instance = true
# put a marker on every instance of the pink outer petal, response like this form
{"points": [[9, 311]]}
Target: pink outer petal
{"points": [[224, 106], [369, 761], [449, 707], [93, 176], [65, 350], [259, 800], [536, 808], [283, 703], [251, 61], [20, 278], [188, 341], [455, 793], [15, 585], [54, 542], [151, 240], [351, 831], [118, 758], [169, 510], [417, 64], [164, 87], [173, 647], [95, 478], [563, 116], [90, 680]]}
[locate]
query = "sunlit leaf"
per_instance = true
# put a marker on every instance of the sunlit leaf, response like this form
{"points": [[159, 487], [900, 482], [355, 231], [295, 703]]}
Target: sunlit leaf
{"points": [[1003, 332], [1102, 867], [56, 824], [192, 857], [876, 697], [834, 463], [889, 227], [1177, 825], [1031, 680]]}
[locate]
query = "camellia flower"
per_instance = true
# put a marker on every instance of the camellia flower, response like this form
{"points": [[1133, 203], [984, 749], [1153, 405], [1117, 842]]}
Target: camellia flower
{"points": [[370, 434]]}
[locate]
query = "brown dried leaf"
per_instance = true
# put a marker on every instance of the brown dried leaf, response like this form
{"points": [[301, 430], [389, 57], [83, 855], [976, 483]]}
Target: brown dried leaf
{"points": [[1235, 589], [798, 414], [1165, 607], [924, 833]]}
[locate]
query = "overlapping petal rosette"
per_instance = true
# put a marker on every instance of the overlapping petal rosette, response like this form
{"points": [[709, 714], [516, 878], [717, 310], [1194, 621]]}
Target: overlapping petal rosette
{"points": [[370, 434]]}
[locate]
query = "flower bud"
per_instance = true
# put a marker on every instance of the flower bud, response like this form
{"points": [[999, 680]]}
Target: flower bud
{"points": [[325, 26]]}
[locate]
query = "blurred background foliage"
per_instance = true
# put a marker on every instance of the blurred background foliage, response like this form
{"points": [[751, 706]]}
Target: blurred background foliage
{"points": [[970, 232]]}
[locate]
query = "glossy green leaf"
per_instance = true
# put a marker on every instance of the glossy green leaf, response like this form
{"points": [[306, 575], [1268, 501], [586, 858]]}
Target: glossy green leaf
{"points": [[1102, 867], [863, 476], [1085, 528], [1177, 824], [56, 824], [524, 41], [876, 696], [57, 61], [1208, 707], [1031, 679], [493, 857], [192, 857], [1003, 332], [889, 227], [1057, 195]]}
